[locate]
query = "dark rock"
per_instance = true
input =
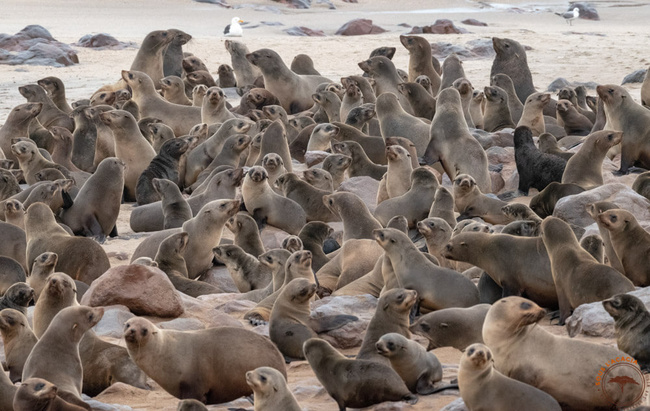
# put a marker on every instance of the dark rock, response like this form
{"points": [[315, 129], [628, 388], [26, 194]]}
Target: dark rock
{"points": [[297, 4], [271, 23], [636, 77], [358, 27], [474, 49], [34, 45], [303, 31], [560, 82], [587, 10], [441, 26], [404, 25], [102, 41], [474, 22]]}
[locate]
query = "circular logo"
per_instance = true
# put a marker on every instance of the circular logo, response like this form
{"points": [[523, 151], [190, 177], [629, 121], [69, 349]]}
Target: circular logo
{"points": [[623, 384]]}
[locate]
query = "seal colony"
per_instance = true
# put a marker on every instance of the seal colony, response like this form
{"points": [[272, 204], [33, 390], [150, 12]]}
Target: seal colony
{"points": [[280, 169]]}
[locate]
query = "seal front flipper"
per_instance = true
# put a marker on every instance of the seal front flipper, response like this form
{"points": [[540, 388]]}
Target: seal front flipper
{"points": [[331, 322], [92, 228]]}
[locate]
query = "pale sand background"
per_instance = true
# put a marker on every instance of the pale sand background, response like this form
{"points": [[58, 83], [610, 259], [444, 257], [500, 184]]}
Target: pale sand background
{"points": [[574, 53]]}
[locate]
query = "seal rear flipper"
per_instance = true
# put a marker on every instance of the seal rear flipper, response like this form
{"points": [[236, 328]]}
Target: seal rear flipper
{"points": [[433, 390], [93, 229], [67, 200], [113, 232], [73, 399], [330, 322]]}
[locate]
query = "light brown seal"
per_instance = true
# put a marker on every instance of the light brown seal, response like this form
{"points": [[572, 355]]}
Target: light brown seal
{"points": [[157, 352], [575, 123], [358, 223], [39, 394], [579, 278], [452, 327], [420, 62], [497, 114], [270, 390], [566, 368], [56, 90], [585, 167], [533, 114], [395, 121], [18, 340], [482, 385]]}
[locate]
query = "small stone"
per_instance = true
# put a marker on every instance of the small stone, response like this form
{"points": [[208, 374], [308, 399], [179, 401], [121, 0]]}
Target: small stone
{"points": [[474, 22], [304, 32]]}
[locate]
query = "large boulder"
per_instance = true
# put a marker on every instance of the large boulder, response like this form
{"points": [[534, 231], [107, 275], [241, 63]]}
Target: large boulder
{"points": [[34, 45], [441, 26], [144, 290]]}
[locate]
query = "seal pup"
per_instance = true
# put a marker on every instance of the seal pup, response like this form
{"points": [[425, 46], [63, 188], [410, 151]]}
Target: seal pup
{"points": [[497, 114], [31, 161], [211, 382], [307, 196], [56, 90], [17, 124], [511, 332], [481, 384], [354, 383], [452, 327], [386, 78], [575, 123], [543, 204], [642, 184], [630, 242], [97, 205], [247, 271], [360, 164], [55, 357], [290, 324], [548, 144], [536, 169], [579, 278], [294, 91], [17, 297], [419, 369], [39, 394], [81, 258], [176, 209], [164, 165], [246, 232], [18, 340], [632, 325], [585, 167], [173, 90], [422, 103], [633, 120], [358, 222], [270, 390]]}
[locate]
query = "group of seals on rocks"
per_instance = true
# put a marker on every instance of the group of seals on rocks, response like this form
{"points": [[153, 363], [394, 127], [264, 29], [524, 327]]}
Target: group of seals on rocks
{"points": [[284, 159]]}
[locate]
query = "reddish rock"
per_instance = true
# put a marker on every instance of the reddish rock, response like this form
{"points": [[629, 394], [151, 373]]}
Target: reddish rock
{"points": [[441, 26], [304, 32], [474, 22], [359, 27], [143, 290]]}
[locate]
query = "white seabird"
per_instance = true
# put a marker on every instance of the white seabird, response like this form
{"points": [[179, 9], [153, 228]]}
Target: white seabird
{"points": [[569, 16], [234, 28]]}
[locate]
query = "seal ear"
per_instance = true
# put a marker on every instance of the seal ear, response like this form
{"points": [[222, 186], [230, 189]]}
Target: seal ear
{"points": [[444, 325], [74, 326]]}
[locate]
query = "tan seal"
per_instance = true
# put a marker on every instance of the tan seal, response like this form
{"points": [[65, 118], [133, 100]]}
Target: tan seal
{"points": [[270, 390], [18, 339], [480, 384], [163, 356], [452, 327], [39, 394], [585, 167]]}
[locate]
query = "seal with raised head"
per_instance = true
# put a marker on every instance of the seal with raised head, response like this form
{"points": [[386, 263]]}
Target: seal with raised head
{"points": [[511, 60], [585, 167], [579, 278], [419, 369], [565, 368], [18, 340], [480, 384], [632, 326], [150, 56], [270, 390], [420, 62], [217, 374], [354, 383], [40, 394]]}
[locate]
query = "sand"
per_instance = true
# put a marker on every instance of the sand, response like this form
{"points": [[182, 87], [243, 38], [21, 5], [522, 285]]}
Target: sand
{"points": [[600, 51]]}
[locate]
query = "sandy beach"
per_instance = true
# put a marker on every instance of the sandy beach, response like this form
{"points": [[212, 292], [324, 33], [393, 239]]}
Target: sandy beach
{"points": [[602, 51]]}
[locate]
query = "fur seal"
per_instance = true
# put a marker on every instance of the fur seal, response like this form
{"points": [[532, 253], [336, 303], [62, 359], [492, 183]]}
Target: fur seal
{"points": [[515, 105], [15, 213], [263, 203], [84, 139], [399, 249], [307, 196], [246, 233], [630, 242], [329, 103], [336, 165], [574, 123], [358, 223], [274, 140], [176, 210], [164, 165], [290, 325], [351, 99], [31, 161], [465, 89], [585, 167], [354, 383], [415, 203], [448, 130], [270, 390], [12, 272], [536, 169], [386, 78], [180, 118], [18, 340], [173, 90], [594, 245], [150, 56], [313, 235], [543, 203], [214, 108], [420, 62], [419, 369], [360, 164], [17, 124], [631, 323], [452, 70], [173, 54], [293, 90], [17, 297], [194, 377], [452, 327], [247, 271], [81, 258], [170, 259], [226, 76], [497, 114], [395, 121], [579, 278], [97, 205], [39, 394], [511, 60], [55, 357], [624, 115], [642, 184], [205, 231], [319, 178], [481, 384], [530, 275], [245, 72], [562, 367], [470, 202], [130, 146], [56, 90], [423, 103], [533, 114], [548, 144]]}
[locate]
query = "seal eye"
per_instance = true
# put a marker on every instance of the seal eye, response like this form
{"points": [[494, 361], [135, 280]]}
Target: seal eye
{"points": [[525, 306], [613, 218], [262, 378], [39, 386], [228, 253], [470, 352]]}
